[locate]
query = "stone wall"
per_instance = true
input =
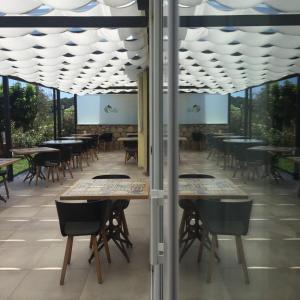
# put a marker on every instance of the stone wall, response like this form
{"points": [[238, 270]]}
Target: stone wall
{"points": [[185, 130], [116, 130]]}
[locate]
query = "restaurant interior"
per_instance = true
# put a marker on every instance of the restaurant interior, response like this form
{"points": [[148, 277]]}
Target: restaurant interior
{"points": [[149, 149]]}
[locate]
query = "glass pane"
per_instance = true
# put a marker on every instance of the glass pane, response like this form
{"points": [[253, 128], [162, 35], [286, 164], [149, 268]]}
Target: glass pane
{"points": [[239, 229], [67, 113], [32, 117]]}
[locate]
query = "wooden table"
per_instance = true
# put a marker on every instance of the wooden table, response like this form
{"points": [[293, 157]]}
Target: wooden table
{"points": [[83, 134], [62, 142], [223, 137], [109, 189], [130, 189], [209, 188], [243, 141], [29, 154], [273, 149], [5, 162], [77, 138], [135, 138]]}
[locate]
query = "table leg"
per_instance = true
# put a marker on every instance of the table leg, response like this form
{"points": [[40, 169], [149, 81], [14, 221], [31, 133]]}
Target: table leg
{"points": [[2, 198], [32, 170]]}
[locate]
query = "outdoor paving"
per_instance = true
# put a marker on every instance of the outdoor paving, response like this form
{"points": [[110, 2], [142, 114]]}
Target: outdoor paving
{"points": [[32, 248]]}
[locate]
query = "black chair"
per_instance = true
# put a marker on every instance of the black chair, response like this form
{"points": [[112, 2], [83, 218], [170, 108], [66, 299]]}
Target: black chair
{"points": [[106, 139], [3, 174], [78, 155], [131, 150], [256, 160], [66, 157], [191, 228], [81, 219], [225, 218], [199, 139], [51, 162], [117, 229]]}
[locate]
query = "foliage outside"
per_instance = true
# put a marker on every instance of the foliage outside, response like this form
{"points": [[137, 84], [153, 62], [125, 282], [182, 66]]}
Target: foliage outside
{"points": [[273, 113]]}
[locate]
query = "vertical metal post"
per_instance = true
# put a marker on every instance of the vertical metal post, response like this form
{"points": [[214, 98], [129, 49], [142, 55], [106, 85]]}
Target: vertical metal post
{"points": [[7, 124], [229, 112], [250, 106], [75, 112], [297, 133], [54, 115], [246, 112], [172, 283], [58, 107], [156, 142]]}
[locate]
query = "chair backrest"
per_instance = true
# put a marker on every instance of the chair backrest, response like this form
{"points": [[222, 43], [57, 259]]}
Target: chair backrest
{"points": [[66, 153], [70, 212], [195, 176], [77, 149], [130, 144], [197, 136], [226, 217], [41, 158], [106, 137], [129, 134]]}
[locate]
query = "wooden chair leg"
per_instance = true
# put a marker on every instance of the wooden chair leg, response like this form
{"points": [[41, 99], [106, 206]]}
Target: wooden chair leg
{"points": [[97, 259], [70, 250], [47, 176], [105, 242], [37, 175], [238, 252], [242, 257], [6, 186], [211, 259], [69, 169], [66, 260], [57, 173]]}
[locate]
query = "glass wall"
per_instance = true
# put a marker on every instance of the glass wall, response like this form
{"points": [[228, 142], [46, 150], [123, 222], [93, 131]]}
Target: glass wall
{"points": [[237, 112], [67, 113], [239, 211]]}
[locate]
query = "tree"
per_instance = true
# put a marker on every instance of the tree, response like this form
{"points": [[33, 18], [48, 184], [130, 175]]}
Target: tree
{"points": [[23, 105]]}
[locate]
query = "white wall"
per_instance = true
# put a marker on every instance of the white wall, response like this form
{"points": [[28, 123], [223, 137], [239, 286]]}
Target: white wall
{"points": [[88, 109], [213, 109], [94, 109]]}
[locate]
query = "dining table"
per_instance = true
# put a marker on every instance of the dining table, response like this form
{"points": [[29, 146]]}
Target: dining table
{"points": [[29, 154], [83, 138], [138, 189], [275, 153], [5, 162], [62, 142]]}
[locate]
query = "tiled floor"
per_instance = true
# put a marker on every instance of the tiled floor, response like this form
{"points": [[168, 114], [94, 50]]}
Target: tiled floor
{"points": [[31, 247]]}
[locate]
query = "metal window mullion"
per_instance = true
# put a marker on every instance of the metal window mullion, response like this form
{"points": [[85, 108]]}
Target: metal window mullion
{"points": [[156, 143], [172, 283], [7, 124]]}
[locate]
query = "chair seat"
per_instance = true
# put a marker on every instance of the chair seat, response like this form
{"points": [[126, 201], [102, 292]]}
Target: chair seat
{"points": [[120, 204], [82, 228], [187, 204], [228, 228]]}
